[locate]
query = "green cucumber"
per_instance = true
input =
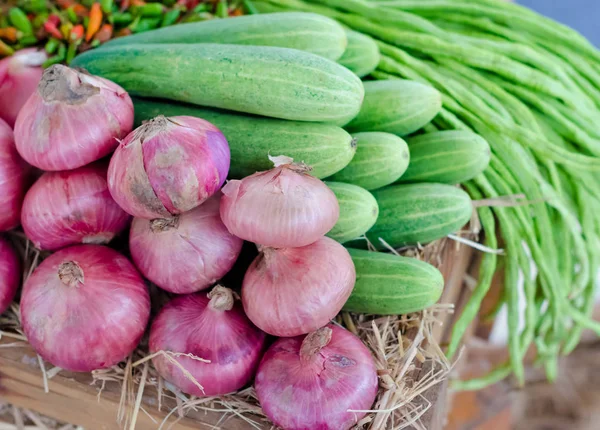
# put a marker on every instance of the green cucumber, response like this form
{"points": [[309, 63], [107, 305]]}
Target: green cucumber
{"points": [[387, 284], [380, 159], [362, 54], [418, 213], [449, 157], [275, 82], [396, 106], [299, 30], [358, 211], [326, 148]]}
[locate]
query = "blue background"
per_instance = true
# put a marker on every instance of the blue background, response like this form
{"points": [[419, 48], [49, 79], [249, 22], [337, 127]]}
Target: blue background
{"points": [[582, 15]]}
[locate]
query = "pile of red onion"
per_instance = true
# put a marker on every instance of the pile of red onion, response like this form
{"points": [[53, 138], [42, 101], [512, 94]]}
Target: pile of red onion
{"points": [[86, 306]]}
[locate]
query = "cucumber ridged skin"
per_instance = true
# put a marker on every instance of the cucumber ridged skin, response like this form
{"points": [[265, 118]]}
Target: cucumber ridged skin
{"points": [[262, 80], [387, 284], [298, 30], [358, 211], [362, 54], [380, 159], [326, 148], [417, 213], [448, 157], [396, 106]]}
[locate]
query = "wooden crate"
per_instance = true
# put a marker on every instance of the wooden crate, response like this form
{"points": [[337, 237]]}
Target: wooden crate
{"points": [[73, 399]]}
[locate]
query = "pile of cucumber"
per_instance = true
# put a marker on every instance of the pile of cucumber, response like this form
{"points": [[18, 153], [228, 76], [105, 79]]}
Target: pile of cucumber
{"points": [[289, 84]]}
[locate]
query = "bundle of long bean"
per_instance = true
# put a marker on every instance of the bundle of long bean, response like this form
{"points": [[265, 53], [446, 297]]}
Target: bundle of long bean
{"points": [[531, 88]]}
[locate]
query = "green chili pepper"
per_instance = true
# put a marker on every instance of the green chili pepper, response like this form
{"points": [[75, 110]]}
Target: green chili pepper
{"points": [[122, 18], [4, 21], [28, 40], [86, 21], [250, 8], [204, 16], [58, 58], [19, 20], [5, 50], [71, 15], [72, 50], [202, 7], [222, 11], [169, 3], [52, 45], [88, 3], [106, 6], [146, 24], [150, 10], [32, 6], [95, 43], [170, 17]]}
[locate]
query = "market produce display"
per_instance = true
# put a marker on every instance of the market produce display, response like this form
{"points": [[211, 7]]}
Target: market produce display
{"points": [[259, 128]]}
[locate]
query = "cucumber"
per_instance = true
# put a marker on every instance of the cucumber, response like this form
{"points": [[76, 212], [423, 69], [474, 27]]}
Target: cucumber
{"points": [[299, 30], [396, 106], [326, 148], [387, 284], [449, 157], [380, 159], [418, 213], [276, 82], [362, 54], [358, 211]]}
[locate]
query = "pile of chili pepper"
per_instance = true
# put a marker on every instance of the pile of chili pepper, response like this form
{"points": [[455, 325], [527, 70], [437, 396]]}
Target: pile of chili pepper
{"points": [[66, 27]]}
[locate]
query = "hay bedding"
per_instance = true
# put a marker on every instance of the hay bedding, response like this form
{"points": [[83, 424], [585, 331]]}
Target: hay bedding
{"points": [[401, 346]]}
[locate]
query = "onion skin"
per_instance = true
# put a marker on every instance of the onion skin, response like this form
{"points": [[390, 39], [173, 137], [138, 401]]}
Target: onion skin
{"points": [[71, 207], [190, 325], [84, 308], [187, 253], [168, 166], [302, 388], [292, 291], [72, 119], [282, 208], [10, 274], [19, 77], [14, 176]]}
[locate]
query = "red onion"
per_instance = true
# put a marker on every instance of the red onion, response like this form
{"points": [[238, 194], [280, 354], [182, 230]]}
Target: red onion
{"points": [[19, 77], [72, 119], [186, 253], [84, 308], [10, 274], [209, 327], [168, 166], [312, 381], [292, 291], [13, 179], [70, 207], [283, 207]]}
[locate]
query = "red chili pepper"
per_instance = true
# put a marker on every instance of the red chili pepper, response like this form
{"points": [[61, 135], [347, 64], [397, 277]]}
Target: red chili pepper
{"points": [[104, 34], [138, 2], [95, 21], [77, 32], [50, 26], [124, 5], [80, 10], [123, 32], [65, 4]]}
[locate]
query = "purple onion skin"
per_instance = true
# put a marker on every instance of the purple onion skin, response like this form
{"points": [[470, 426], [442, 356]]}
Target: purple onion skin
{"points": [[168, 166], [187, 253], [72, 207], [315, 394], [228, 339], [85, 308], [14, 176], [10, 274]]}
